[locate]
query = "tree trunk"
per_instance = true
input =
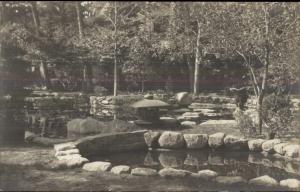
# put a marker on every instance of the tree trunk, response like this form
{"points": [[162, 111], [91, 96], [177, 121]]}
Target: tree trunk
{"points": [[259, 111], [197, 61], [191, 75], [36, 21], [35, 17], [115, 53], [79, 20]]}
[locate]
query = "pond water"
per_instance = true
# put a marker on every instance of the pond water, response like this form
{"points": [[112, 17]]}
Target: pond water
{"points": [[245, 164]]}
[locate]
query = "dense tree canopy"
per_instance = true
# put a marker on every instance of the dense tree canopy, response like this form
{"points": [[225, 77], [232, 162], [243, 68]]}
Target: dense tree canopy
{"points": [[150, 45]]}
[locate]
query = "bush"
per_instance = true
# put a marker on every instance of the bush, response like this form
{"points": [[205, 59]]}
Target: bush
{"points": [[277, 113], [246, 121], [100, 91]]}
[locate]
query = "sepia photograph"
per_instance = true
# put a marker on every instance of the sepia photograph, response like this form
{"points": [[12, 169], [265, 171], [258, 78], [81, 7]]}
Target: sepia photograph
{"points": [[149, 96]]}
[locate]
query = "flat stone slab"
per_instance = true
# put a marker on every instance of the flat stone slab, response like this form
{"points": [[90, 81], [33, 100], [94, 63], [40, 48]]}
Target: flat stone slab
{"points": [[112, 142], [144, 172], [219, 122], [64, 146], [171, 172], [230, 180], [67, 152]]}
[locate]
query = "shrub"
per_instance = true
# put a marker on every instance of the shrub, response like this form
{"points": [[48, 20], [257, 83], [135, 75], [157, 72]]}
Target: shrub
{"points": [[246, 121], [277, 113], [100, 91]]}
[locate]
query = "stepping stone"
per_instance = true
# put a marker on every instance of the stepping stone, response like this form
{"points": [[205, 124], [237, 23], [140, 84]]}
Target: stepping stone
{"points": [[171, 172], [264, 181], [290, 183], [97, 166], [196, 141], [143, 172], [120, 169], [230, 180]]}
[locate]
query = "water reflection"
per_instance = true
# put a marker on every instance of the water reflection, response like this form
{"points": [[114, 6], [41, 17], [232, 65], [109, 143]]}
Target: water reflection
{"points": [[247, 165]]}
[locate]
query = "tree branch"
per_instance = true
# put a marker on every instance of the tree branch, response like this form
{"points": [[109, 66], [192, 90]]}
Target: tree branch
{"points": [[253, 77]]}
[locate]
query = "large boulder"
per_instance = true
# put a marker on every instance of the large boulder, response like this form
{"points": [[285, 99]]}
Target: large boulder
{"points": [[172, 140], [97, 166], [264, 181], [268, 146], [111, 142], [216, 140], [82, 127], [279, 148], [151, 138], [196, 141], [255, 144], [184, 98], [290, 183], [230, 180], [120, 169], [143, 172], [235, 143], [171, 172], [292, 151]]}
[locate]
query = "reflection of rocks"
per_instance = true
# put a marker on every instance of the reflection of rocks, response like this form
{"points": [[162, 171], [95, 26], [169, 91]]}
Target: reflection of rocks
{"points": [[264, 181], [196, 158], [216, 140], [143, 172], [279, 164], [150, 160], [171, 172], [170, 139], [268, 146], [173, 159], [215, 159], [255, 144], [151, 138], [207, 174], [196, 141], [230, 180], [290, 183], [235, 143], [292, 167]]}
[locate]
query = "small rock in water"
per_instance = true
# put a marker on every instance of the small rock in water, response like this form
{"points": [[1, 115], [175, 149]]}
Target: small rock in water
{"points": [[216, 140], [230, 180], [279, 148], [255, 144], [143, 172], [265, 181], [290, 183], [172, 140], [188, 123], [97, 166], [207, 174], [151, 138], [196, 141], [120, 169], [171, 172], [268, 146], [292, 151]]}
